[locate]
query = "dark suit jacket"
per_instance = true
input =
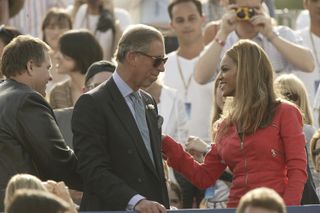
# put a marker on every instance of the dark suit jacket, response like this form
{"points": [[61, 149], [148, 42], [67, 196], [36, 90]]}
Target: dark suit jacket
{"points": [[113, 160], [63, 117], [30, 140]]}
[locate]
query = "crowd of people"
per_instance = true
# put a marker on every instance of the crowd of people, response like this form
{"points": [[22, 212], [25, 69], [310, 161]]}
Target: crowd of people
{"points": [[150, 105]]}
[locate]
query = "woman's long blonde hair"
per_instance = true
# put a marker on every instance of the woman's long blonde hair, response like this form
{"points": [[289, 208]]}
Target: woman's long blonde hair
{"points": [[254, 102], [291, 88]]}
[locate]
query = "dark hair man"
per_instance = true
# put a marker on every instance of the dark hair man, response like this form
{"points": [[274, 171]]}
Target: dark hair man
{"points": [[30, 140]]}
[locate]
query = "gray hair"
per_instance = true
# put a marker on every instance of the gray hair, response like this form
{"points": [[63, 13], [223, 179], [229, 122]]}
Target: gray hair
{"points": [[137, 38]]}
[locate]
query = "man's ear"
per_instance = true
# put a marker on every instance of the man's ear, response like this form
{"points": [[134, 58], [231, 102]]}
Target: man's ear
{"points": [[131, 58], [29, 67]]}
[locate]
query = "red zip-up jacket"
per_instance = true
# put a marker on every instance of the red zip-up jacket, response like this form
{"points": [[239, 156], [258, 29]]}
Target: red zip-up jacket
{"points": [[272, 157]]}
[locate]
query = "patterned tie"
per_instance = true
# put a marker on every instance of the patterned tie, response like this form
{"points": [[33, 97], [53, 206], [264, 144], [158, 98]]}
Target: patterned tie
{"points": [[140, 117]]}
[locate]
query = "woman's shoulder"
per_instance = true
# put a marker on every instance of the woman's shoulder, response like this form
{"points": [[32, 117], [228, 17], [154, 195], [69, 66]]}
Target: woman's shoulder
{"points": [[287, 109], [284, 105], [61, 86]]}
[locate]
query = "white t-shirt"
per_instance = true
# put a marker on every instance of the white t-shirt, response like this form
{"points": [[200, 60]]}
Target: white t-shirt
{"points": [[123, 16], [197, 100], [279, 63], [311, 80], [85, 21]]}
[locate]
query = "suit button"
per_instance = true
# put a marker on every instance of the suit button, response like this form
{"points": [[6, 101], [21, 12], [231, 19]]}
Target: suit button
{"points": [[130, 151], [140, 180]]}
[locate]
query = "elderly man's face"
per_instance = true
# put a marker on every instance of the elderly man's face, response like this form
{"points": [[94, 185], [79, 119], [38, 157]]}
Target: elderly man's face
{"points": [[147, 66]]}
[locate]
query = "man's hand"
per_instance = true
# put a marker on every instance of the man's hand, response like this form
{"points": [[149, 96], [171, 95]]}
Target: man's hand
{"points": [[228, 23], [147, 206], [263, 23]]}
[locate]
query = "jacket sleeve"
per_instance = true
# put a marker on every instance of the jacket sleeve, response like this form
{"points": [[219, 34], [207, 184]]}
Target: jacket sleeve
{"points": [[90, 141], [41, 137], [201, 175], [291, 132]]}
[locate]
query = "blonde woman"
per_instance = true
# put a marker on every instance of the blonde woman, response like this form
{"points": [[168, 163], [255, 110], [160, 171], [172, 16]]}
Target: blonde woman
{"points": [[291, 88], [27, 181], [255, 130]]}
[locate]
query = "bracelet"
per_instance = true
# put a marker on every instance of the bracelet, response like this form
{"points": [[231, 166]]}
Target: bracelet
{"points": [[219, 41]]}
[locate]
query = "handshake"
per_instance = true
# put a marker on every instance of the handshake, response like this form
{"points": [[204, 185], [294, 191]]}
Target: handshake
{"points": [[197, 147]]}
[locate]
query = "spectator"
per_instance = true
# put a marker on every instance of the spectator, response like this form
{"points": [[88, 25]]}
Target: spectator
{"points": [[291, 88], [97, 73], [311, 38], [175, 195], [255, 129], [281, 44], [30, 13], [21, 181], [98, 17], [261, 200], [6, 35], [171, 108], [108, 125], [37, 202], [30, 138], [187, 21], [26, 181], [54, 24], [73, 62]]}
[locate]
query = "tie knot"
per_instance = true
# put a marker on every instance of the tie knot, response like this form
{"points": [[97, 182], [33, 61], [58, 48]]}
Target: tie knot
{"points": [[135, 95]]}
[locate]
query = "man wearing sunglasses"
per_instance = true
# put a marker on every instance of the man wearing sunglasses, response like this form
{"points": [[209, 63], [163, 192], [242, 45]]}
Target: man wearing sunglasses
{"points": [[247, 19], [117, 131]]}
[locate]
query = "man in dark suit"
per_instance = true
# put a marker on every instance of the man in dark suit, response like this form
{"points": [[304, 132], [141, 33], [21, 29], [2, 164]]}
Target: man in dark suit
{"points": [[117, 142], [30, 140]]}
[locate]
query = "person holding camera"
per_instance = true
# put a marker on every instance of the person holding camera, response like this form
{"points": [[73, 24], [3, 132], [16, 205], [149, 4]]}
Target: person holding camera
{"points": [[246, 19]]}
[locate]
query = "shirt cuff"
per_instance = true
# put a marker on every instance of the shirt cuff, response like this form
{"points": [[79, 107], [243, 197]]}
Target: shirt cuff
{"points": [[133, 201]]}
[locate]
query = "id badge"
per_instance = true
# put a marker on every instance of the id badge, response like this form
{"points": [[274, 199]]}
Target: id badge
{"points": [[187, 106]]}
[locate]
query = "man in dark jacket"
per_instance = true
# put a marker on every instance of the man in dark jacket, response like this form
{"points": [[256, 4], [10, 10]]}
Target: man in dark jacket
{"points": [[30, 140]]}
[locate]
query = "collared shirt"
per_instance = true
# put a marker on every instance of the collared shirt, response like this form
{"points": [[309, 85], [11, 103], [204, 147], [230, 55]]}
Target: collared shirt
{"points": [[279, 63], [125, 91]]}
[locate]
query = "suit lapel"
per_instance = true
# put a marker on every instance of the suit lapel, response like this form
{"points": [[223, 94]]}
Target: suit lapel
{"points": [[154, 129], [125, 116]]}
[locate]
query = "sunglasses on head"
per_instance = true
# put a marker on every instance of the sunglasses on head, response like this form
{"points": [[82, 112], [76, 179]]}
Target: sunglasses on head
{"points": [[157, 61]]}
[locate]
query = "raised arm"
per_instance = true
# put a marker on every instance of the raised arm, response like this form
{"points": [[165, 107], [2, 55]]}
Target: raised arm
{"points": [[201, 175], [208, 61], [297, 55]]}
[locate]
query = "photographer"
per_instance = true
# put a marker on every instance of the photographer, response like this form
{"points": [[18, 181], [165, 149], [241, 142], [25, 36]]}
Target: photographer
{"points": [[246, 19]]}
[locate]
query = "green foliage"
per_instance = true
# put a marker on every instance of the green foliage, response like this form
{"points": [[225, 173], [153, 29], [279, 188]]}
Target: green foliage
{"points": [[289, 4]]}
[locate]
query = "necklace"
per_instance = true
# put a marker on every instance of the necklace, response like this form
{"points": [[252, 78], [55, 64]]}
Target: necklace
{"points": [[186, 84], [314, 50]]}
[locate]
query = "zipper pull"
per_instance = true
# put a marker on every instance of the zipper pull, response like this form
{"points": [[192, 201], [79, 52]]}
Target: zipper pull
{"points": [[273, 153]]}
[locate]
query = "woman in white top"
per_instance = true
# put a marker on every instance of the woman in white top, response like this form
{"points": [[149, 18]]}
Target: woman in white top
{"points": [[98, 17]]}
